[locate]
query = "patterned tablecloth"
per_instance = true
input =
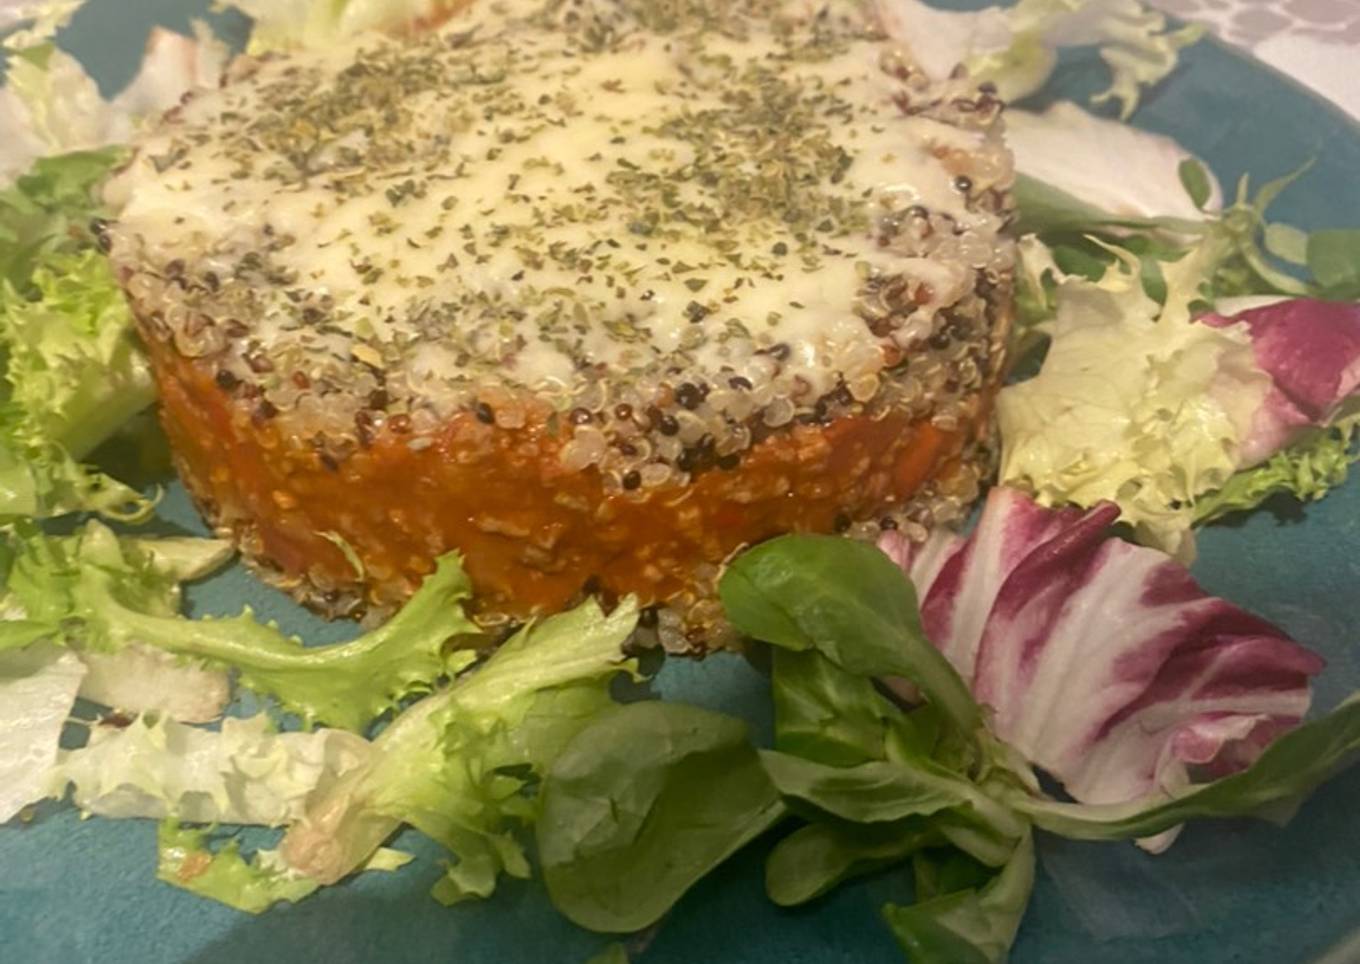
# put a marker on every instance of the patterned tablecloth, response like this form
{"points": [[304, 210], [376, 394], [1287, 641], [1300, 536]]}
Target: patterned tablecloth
{"points": [[1317, 42]]}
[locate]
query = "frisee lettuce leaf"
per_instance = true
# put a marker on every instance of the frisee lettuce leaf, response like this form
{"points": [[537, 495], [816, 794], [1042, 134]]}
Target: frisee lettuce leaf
{"points": [[1307, 470], [75, 375], [49, 103], [73, 371], [106, 594], [186, 861], [456, 764], [322, 23], [1178, 419], [27, 23], [243, 773], [1015, 47], [38, 686], [1134, 404]]}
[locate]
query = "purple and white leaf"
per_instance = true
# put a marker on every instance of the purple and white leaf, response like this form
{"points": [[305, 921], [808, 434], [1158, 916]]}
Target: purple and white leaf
{"points": [[1311, 351], [1103, 662]]}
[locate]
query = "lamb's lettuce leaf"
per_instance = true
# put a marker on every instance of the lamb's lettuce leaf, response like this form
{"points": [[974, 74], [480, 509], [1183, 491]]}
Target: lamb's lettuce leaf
{"points": [[642, 804], [970, 926]]}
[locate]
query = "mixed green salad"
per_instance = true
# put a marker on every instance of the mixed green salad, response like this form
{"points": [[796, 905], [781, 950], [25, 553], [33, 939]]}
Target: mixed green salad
{"points": [[1180, 358]]}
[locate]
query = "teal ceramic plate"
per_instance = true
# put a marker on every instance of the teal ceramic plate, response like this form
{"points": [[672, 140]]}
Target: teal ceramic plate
{"points": [[74, 891]]}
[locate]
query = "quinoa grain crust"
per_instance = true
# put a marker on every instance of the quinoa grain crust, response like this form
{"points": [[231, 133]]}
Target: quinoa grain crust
{"points": [[596, 294]]}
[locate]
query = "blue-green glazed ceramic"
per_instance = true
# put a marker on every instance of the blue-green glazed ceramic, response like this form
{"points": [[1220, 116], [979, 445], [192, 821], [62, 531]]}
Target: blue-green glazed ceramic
{"points": [[75, 890]]}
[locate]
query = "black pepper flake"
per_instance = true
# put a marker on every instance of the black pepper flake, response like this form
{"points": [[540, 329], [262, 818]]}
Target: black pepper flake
{"points": [[887, 523], [779, 351], [226, 380], [729, 461], [579, 416], [623, 411], [780, 248], [667, 425], [695, 312], [939, 341], [841, 522], [740, 382], [963, 183], [632, 480], [484, 413]]}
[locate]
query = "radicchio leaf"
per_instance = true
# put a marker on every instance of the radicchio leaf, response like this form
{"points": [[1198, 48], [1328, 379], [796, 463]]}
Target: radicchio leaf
{"points": [[1311, 351], [1104, 662]]}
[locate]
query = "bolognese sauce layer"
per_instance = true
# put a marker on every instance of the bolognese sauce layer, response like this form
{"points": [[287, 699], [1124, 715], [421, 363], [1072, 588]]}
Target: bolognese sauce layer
{"points": [[595, 293]]}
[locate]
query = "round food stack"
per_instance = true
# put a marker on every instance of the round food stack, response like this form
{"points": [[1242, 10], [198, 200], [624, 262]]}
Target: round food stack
{"points": [[596, 296]]}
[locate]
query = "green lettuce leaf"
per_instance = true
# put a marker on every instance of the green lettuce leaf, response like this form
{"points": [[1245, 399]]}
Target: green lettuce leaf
{"points": [[817, 857], [968, 926], [890, 792], [457, 764], [1307, 470], [324, 23], [1160, 430], [36, 21], [253, 886], [1016, 46], [73, 371], [614, 953], [644, 802], [1134, 403], [50, 105], [75, 375], [110, 595], [47, 211], [825, 714], [38, 687], [847, 601], [244, 773]]}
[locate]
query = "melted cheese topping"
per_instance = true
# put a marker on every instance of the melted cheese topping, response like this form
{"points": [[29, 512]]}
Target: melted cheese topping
{"points": [[550, 203]]}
